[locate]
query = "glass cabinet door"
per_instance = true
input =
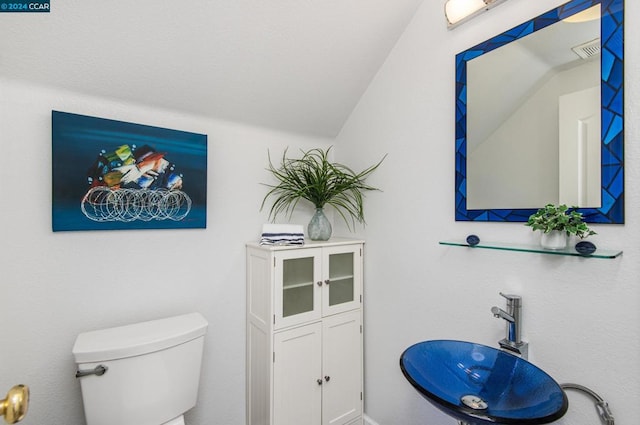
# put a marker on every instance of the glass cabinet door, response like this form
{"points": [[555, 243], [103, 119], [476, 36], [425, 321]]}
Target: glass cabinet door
{"points": [[342, 272], [297, 290], [297, 282]]}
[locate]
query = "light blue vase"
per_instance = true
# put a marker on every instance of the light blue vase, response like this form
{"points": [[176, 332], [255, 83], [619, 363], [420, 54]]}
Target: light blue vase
{"points": [[319, 228]]}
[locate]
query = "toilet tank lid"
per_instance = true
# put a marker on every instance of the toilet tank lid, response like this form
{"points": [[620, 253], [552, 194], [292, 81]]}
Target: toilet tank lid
{"points": [[137, 339]]}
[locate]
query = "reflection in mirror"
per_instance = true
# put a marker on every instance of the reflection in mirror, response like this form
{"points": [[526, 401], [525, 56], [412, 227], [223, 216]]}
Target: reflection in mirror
{"points": [[514, 155], [532, 125]]}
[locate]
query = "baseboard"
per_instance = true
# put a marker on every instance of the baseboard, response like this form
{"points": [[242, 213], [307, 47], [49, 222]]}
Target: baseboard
{"points": [[369, 421]]}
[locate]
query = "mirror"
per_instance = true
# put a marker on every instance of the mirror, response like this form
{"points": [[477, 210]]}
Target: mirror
{"points": [[553, 80], [539, 117]]}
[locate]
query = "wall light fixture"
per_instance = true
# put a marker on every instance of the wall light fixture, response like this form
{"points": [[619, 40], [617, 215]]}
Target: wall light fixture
{"points": [[459, 11]]}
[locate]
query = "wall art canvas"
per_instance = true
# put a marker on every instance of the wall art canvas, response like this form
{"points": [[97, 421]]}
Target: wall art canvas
{"points": [[115, 175]]}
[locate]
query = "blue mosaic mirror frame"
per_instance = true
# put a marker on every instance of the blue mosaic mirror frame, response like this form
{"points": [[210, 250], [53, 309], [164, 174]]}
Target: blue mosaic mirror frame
{"points": [[612, 115]]}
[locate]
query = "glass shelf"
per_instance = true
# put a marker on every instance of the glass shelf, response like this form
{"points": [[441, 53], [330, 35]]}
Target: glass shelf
{"points": [[569, 251]]}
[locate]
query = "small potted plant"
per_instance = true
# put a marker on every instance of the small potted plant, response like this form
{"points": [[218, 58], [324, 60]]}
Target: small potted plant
{"points": [[557, 222], [313, 178]]}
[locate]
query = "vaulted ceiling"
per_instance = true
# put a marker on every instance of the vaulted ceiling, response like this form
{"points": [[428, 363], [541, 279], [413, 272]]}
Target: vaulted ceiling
{"points": [[293, 65]]}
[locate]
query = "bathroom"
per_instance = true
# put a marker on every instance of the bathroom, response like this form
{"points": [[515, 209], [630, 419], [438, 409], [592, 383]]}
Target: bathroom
{"points": [[580, 315]]}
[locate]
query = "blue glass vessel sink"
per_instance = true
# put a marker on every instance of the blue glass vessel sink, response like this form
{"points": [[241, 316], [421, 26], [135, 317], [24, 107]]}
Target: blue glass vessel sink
{"points": [[482, 385]]}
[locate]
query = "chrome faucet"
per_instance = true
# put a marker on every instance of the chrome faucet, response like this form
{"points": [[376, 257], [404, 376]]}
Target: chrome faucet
{"points": [[513, 317]]}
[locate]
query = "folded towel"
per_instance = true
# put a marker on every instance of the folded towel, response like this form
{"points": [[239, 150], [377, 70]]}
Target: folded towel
{"points": [[282, 234]]}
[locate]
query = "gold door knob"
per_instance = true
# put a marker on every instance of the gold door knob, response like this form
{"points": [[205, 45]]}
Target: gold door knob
{"points": [[14, 407]]}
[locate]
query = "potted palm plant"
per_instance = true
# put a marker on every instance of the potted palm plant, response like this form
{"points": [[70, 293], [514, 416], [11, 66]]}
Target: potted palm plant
{"points": [[557, 222], [317, 180]]}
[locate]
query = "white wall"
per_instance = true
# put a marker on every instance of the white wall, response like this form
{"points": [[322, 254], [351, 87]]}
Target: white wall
{"points": [[56, 285], [580, 315]]}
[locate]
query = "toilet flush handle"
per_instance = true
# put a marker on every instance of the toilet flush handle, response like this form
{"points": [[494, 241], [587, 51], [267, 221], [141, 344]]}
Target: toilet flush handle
{"points": [[98, 370], [14, 407]]}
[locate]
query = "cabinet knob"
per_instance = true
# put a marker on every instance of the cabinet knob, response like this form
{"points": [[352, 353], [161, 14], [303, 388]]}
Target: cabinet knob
{"points": [[319, 381], [319, 283], [327, 378], [326, 282]]}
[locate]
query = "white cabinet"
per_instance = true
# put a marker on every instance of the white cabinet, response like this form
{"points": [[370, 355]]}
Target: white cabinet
{"points": [[304, 333]]}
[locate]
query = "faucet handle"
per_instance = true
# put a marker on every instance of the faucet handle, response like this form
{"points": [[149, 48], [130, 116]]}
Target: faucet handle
{"points": [[512, 300]]}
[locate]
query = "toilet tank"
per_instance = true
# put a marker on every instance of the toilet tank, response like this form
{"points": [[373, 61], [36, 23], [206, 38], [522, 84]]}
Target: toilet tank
{"points": [[153, 370]]}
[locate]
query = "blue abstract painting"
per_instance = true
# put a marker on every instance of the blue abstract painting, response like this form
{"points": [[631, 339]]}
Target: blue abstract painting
{"points": [[115, 175]]}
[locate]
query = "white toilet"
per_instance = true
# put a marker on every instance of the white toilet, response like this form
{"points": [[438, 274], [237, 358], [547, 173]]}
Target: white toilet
{"points": [[141, 374]]}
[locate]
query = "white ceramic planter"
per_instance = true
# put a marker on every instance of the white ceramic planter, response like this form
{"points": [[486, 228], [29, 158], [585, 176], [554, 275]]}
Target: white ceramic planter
{"points": [[555, 239]]}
